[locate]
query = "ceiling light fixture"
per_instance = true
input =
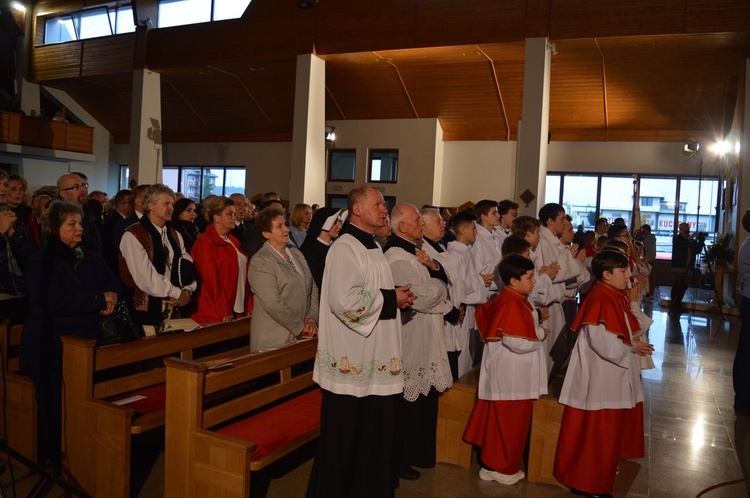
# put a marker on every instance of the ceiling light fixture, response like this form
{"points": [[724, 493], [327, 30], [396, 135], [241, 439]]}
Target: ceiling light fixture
{"points": [[330, 136], [18, 6], [721, 148]]}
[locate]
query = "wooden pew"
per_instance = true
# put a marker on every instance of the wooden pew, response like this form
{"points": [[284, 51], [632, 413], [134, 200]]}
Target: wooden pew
{"points": [[545, 430], [20, 396], [454, 410], [96, 431], [205, 456]]}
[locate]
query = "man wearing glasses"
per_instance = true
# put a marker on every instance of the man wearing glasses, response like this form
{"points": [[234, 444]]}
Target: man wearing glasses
{"points": [[73, 188]]}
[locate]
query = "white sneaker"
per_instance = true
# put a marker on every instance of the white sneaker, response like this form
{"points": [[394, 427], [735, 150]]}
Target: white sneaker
{"points": [[491, 475]]}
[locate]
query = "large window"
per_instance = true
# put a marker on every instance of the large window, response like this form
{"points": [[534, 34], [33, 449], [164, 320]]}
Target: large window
{"points": [[197, 182], [181, 12], [664, 202], [89, 23], [383, 166], [342, 164]]}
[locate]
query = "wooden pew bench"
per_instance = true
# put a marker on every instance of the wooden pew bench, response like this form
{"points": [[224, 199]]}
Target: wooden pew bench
{"points": [[20, 396], [454, 409], [108, 397], [211, 448], [545, 430]]}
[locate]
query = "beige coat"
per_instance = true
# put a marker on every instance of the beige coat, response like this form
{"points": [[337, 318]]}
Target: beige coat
{"points": [[283, 299]]}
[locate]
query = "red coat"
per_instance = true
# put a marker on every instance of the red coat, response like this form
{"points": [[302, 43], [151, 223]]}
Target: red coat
{"points": [[216, 262]]}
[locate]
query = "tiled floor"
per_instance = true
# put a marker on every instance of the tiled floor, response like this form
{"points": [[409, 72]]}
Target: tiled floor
{"points": [[694, 439]]}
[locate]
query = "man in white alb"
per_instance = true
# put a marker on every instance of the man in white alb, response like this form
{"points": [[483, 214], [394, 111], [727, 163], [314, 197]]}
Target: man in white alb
{"points": [[358, 364], [426, 369]]}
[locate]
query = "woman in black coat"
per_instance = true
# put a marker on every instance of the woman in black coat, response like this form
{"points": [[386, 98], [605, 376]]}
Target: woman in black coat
{"points": [[70, 287]]}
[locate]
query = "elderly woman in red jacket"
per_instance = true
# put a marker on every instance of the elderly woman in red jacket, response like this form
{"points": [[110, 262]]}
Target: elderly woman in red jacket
{"points": [[223, 291]]}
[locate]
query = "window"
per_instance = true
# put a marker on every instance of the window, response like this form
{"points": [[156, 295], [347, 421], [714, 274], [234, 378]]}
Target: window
{"points": [[182, 12], [616, 198], [197, 182], [579, 199], [337, 201], [383, 166], [664, 202], [341, 165], [124, 176], [552, 190], [90, 23]]}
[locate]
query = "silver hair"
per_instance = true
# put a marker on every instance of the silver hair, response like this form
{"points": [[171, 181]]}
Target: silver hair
{"points": [[426, 211], [153, 192]]}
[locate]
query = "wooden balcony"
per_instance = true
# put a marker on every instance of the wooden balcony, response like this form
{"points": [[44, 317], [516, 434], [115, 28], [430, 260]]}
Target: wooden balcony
{"points": [[37, 132]]}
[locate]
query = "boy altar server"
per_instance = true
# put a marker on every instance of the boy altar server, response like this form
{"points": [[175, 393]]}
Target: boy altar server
{"points": [[475, 284], [512, 376], [603, 391]]}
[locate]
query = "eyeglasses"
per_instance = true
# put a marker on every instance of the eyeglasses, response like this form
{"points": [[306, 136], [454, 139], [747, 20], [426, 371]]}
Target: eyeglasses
{"points": [[76, 186]]}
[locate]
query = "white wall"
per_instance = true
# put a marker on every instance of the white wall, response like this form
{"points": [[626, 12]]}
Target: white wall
{"points": [[417, 143], [473, 171]]}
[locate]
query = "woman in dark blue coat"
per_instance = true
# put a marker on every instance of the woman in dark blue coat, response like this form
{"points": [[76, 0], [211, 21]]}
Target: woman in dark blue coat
{"points": [[69, 286]]}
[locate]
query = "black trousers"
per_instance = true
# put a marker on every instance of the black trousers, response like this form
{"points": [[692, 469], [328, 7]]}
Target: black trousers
{"points": [[679, 286], [358, 449], [419, 430]]}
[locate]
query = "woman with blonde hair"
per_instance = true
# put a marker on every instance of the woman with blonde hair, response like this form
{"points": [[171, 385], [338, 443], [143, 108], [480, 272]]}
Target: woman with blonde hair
{"points": [[223, 291], [299, 221]]}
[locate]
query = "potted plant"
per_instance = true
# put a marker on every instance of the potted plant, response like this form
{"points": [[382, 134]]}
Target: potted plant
{"points": [[720, 252]]}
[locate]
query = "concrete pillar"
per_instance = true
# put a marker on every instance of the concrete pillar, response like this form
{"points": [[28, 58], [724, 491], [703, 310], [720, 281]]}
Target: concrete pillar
{"points": [[531, 164], [145, 128], [308, 172], [27, 93]]}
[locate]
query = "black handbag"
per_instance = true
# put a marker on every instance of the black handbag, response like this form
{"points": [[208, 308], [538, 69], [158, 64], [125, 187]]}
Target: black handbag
{"points": [[117, 327]]}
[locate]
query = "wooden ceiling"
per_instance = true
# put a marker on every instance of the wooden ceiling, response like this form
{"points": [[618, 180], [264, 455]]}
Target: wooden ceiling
{"points": [[654, 87]]}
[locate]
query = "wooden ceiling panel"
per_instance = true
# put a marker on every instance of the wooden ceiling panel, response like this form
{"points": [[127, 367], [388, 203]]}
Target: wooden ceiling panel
{"points": [[666, 87], [575, 19], [368, 88], [354, 26], [452, 23]]}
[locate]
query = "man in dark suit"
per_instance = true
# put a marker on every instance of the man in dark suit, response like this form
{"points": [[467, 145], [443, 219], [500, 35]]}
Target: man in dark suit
{"points": [[123, 209], [240, 205], [139, 193]]}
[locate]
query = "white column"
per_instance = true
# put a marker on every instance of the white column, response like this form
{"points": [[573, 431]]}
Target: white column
{"points": [[531, 165], [308, 172], [145, 127]]}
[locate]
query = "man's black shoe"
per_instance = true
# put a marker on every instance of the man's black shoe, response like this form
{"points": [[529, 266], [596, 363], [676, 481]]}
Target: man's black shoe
{"points": [[409, 473], [590, 495]]}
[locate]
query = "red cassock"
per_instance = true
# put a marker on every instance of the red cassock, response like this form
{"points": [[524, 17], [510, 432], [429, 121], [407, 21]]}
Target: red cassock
{"points": [[592, 441], [501, 427]]}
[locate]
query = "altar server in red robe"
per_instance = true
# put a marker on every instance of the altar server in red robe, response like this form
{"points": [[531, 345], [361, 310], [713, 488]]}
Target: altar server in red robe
{"points": [[603, 391], [513, 374]]}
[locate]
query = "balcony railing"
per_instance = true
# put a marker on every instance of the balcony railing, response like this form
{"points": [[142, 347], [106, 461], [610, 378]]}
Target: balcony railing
{"points": [[38, 132]]}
